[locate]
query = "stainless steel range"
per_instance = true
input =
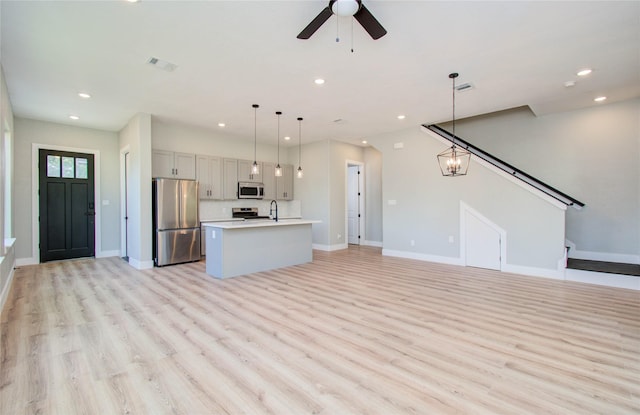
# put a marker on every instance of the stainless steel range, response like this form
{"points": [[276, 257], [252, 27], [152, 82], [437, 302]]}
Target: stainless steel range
{"points": [[247, 213]]}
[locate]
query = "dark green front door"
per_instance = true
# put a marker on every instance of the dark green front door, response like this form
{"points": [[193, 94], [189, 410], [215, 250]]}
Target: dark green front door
{"points": [[67, 205]]}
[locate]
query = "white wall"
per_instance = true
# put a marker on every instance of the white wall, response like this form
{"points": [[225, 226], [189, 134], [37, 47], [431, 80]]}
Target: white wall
{"points": [[46, 134], [427, 207], [135, 138], [591, 154]]}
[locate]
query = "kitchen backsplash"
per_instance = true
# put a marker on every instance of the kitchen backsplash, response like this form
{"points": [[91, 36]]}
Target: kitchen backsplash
{"points": [[220, 209]]}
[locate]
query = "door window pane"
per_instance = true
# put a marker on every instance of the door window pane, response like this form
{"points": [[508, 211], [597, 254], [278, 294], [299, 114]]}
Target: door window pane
{"points": [[53, 166], [81, 168], [67, 167]]}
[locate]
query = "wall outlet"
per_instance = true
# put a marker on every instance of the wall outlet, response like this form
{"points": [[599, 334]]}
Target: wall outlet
{"points": [[391, 202], [339, 236], [450, 239], [105, 203]]}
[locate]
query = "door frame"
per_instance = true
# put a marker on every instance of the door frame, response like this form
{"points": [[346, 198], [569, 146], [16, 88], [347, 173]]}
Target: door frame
{"points": [[35, 198], [361, 201], [124, 200], [464, 209]]}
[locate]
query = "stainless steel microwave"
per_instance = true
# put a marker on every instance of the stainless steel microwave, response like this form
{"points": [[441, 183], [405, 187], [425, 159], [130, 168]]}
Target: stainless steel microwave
{"points": [[250, 190]]}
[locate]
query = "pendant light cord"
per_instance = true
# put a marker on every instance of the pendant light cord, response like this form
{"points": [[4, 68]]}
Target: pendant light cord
{"points": [[453, 77], [255, 130]]}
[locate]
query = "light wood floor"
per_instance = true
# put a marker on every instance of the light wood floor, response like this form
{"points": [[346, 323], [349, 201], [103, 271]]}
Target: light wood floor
{"points": [[352, 332]]}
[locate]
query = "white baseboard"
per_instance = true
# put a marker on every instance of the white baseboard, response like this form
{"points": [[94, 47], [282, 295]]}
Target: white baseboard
{"points": [[423, 257], [556, 274], [377, 244], [602, 278], [575, 253], [329, 248], [140, 264], [604, 256], [7, 288], [21, 262], [106, 254]]}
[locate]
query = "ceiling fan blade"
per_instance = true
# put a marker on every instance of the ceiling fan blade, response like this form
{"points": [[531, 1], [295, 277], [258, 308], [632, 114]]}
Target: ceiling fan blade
{"points": [[315, 23], [369, 23]]}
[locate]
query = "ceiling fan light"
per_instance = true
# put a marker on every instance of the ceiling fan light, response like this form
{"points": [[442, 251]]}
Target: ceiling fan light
{"points": [[345, 7]]}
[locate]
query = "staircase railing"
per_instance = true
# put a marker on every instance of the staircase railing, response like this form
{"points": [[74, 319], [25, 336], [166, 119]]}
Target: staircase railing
{"points": [[508, 168]]}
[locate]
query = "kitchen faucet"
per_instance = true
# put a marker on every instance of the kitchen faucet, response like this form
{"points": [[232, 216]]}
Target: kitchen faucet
{"points": [[271, 210]]}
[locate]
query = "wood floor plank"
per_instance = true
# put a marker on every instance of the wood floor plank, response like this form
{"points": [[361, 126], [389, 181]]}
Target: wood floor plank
{"points": [[351, 332]]}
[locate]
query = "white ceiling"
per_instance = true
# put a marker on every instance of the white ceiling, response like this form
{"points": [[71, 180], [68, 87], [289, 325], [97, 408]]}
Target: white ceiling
{"points": [[232, 54]]}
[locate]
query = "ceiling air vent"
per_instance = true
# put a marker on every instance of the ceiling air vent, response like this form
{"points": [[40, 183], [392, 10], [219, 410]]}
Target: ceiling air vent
{"points": [[160, 64], [464, 87]]}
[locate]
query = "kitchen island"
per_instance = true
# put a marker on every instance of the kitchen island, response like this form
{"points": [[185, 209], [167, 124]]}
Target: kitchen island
{"points": [[245, 247]]}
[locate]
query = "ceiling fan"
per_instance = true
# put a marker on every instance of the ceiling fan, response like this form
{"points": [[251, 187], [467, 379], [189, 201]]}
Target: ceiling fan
{"points": [[353, 8]]}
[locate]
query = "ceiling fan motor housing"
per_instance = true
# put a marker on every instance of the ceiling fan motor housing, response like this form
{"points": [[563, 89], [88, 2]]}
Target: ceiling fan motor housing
{"points": [[345, 7]]}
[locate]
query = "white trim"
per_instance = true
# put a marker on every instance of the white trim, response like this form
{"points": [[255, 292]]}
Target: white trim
{"points": [[35, 200], [361, 201], [21, 262], [604, 256], [106, 254], [373, 243], [7, 288], [424, 257], [464, 208], [9, 246], [503, 174], [602, 278], [140, 264], [123, 197], [330, 248], [556, 274]]}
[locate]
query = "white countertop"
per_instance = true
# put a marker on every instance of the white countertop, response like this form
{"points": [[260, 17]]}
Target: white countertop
{"points": [[258, 223]]}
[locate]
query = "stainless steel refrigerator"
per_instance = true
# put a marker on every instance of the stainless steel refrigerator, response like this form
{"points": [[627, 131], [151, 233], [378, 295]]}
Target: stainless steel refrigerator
{"points": [[176, 223]]}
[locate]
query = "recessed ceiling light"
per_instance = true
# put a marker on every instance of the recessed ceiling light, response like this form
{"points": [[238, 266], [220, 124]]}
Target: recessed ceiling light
{"points": [[287, 138], [600, 99], [569, 84], [584, 72], [364, 141], [74, 117], [221, 124], [319, 81], [401, 117], [84, 95]]}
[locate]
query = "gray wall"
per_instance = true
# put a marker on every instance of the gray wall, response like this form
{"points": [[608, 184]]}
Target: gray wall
{"points": [[427, 207], [28, 132], [373, 194], [135, 138], [7, 251], [591, 154]]}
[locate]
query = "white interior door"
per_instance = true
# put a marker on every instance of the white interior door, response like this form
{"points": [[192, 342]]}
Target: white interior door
{"points": [[482, 243], [353, 205]]}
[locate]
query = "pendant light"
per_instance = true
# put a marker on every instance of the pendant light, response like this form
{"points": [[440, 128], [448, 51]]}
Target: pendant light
{"points": [[254, 167], [455, 160], [278, 168], [300, 174]]}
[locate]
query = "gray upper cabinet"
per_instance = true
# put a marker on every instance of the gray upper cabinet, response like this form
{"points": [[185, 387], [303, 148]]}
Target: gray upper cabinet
{"points": [[244, 172], [230, 177], [284, 183], [209, 175], [269, 180], [173, 165]]}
